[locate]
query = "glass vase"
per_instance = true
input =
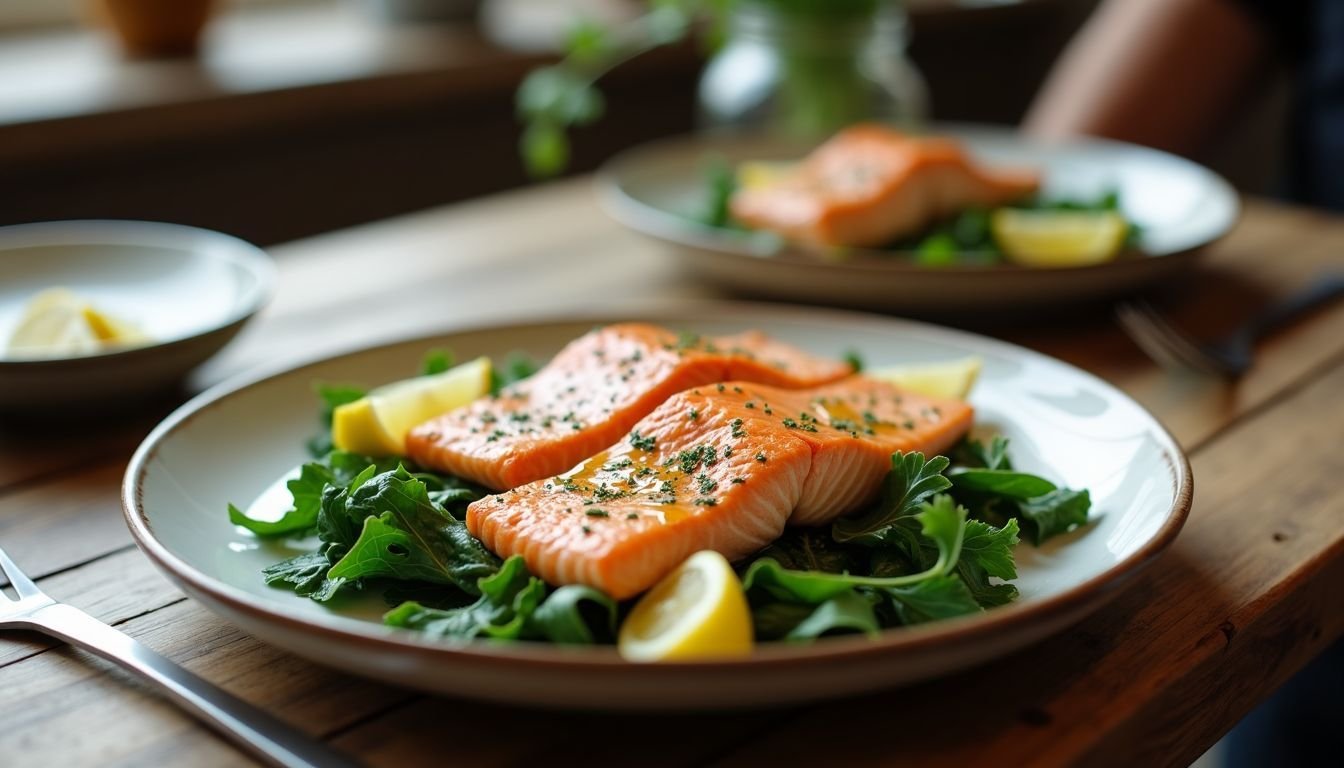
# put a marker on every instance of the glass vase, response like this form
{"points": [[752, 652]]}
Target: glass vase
{"points": [[804, 70]]}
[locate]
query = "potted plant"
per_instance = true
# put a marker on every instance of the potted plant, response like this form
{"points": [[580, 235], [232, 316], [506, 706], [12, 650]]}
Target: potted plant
{"points": [[802, 68]]}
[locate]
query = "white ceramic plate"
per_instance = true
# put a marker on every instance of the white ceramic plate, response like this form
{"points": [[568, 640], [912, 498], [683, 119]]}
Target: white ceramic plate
{"points": [[190, 289], [234, 442], [1181, 207]]}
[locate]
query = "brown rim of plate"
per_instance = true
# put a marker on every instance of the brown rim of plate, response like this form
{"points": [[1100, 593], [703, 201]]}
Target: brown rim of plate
{"points": [[604, 658]]}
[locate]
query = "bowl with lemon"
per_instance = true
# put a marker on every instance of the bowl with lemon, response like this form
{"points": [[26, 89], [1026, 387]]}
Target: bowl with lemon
{"points": [[95, 314], [1106, 219]]}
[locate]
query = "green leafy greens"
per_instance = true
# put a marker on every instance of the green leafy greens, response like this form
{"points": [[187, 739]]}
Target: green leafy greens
{"points": [[937, 544], [922, 553]]}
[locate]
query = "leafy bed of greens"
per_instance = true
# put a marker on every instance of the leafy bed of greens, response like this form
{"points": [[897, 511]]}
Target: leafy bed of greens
{"points": [[938, 544], [963, 239]]}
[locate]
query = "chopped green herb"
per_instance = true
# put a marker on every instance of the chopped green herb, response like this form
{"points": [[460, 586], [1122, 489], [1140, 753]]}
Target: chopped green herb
{"points": [[641, 442], [855, 362]]}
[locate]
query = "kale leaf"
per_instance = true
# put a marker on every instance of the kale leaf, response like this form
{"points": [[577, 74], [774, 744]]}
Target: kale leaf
{"points": [[849, 611], [436, 361], [306, 574], [331, 397], [516, 367], [336, 468], [1056, 512], [575, 615], [941, 521], [910, 481], [973, 453], [1000, 482], [507, 600], [939, 597], [404, 535]]}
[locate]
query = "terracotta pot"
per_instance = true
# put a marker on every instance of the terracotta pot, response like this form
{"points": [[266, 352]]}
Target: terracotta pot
{"points": [[154, 28]]}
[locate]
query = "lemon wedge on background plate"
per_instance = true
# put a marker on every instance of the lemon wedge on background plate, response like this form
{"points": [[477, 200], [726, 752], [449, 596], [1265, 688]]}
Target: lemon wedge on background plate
{"points": [[754, 174], [696, 612], [376, 424], [952, 379], [1058, 238], [58, 322]]}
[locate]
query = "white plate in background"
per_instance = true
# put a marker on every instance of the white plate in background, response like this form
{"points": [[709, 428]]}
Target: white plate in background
{"points": [[1181, 207]]}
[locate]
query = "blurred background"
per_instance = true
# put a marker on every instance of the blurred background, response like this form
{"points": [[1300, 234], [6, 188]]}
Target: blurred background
{"points": [[293, 117]]}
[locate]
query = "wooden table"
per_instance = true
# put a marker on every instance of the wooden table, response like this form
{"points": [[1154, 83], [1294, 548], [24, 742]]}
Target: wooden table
{"points": [[1248, 594]]}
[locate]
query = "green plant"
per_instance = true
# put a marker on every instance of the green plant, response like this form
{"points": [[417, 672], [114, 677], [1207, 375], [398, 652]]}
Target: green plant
{"points": [[556, 98]]}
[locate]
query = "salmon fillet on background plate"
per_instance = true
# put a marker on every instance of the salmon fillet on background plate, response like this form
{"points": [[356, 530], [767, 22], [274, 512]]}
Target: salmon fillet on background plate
{"points": [[722, 467], [870, 185], [592, 393]]}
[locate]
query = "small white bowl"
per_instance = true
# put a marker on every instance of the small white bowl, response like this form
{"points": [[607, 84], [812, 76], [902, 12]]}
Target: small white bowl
{"points": [[189, 289]]}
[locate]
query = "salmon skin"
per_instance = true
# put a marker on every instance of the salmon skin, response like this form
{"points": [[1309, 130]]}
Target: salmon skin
{"points": [[723, 467], [592, 393], [870, 185]]}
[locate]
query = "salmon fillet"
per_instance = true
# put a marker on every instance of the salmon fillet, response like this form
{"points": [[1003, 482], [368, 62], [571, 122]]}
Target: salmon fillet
{"points": [[592, 393], [723, 467], [870, 185]]}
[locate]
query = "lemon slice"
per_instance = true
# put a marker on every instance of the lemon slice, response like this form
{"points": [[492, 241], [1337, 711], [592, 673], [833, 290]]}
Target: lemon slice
{"points": [[698, 611], [1058, 238], [952, 379], [376, 424], [53, 324], [758, 173], [58, 322], [111, 330]]}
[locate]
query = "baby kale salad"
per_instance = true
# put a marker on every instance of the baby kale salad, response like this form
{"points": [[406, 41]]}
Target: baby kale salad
{"points": [[937, 544]]}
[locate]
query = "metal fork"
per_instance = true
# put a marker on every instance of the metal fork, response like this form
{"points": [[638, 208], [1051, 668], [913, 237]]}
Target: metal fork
{"points": [[1232, 355], [265, 737]]}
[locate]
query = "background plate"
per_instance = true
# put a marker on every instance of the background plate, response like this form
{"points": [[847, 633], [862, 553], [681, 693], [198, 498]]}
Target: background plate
{"points": [[1181, 206], [235, 441]]}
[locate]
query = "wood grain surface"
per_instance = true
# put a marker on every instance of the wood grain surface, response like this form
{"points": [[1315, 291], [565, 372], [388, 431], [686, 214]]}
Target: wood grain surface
{"points": [[1248, 594]]}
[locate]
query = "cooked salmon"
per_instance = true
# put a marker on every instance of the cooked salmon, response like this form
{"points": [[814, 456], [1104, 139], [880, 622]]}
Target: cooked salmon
{"points": [[722, 467], [592, 393], [870, 185]]}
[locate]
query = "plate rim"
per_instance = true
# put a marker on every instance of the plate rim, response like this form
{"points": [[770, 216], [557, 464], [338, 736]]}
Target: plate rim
{"points": [[249, 256], [353, 632], [662, 225]]}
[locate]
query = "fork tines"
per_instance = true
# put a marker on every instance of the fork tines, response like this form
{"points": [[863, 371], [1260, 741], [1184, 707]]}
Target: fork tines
{"points": [[1161, 341], [22, 584]]}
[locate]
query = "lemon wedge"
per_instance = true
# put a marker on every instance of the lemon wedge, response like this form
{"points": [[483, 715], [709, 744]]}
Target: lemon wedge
{"points": [[952, 379], [1058, 238], [698, 611], [755, 174], [111, 330], [58, 322], [376, 424]]}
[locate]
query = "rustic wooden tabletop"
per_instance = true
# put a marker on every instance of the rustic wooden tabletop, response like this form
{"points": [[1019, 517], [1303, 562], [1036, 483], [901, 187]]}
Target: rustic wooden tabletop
{"points": [[1248, 594]]}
